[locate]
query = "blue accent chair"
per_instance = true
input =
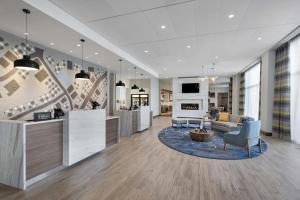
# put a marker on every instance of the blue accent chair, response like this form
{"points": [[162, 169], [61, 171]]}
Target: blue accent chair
{"points": [[248, 136]]}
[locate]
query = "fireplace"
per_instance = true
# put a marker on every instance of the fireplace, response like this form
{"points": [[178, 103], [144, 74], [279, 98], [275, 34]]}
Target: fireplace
{"points": [[189, 106]]}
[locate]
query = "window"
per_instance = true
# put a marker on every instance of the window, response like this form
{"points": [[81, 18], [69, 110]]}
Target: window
{"points": [[295, 89], [252, 91]]}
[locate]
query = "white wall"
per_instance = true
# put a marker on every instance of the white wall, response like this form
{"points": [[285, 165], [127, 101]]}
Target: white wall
{"points": [[154, 96], [178, 97], [267, 90], [165, 84]]}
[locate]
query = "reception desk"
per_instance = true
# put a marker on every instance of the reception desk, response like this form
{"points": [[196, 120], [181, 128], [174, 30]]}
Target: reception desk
{"points": [[84, 134], [31, 151], [134, 121], [28, 150]]}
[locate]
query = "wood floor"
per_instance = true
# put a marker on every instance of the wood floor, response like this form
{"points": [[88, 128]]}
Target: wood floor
{"points": [[141, 167]]}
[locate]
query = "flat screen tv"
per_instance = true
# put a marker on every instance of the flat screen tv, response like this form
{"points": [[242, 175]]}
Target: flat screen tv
{"points": [[190, 87]]}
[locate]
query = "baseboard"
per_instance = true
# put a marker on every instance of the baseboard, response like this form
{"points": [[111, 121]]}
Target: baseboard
{"points": [[266, 133]]}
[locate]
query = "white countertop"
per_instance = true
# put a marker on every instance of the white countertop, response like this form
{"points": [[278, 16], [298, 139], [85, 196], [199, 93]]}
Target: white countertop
{"points": [[112, 117], [30, 122]]}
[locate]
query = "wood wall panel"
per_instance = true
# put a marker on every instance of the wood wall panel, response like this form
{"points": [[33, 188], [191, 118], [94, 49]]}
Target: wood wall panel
{"points": [[112, 129], [134, 122], [44, 148]]}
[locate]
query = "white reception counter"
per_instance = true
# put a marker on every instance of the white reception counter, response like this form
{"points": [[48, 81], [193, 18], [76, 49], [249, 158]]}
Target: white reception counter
{"points": [[31, 151], [84, 134]]}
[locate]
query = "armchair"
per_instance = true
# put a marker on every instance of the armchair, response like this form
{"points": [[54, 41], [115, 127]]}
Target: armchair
{"points": [[248, 136]]}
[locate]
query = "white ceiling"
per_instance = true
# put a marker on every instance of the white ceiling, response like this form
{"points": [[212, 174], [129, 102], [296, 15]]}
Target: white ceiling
{"points": [[44, 30], [134, 26]]}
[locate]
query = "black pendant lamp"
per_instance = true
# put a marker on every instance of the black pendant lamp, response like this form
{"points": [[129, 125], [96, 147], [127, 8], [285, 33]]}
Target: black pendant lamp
{"points": [[82, 75], [134, 87], [26, 63], [120, 83], [142, 89]]}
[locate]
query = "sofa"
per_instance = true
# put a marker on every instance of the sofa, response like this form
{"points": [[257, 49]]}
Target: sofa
{"points": [[223, 126]]}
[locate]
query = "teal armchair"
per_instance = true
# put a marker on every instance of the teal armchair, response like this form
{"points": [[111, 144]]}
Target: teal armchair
{"points": [[248, 136]]}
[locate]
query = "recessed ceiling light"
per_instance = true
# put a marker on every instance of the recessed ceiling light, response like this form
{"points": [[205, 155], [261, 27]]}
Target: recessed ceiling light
{"points": [[51, 43], [86, 57], [188, 46], [259, 38], [179, 60], [163, 27], [26, 33], [231, 16], [78, 45], [96, 53], [71, 51], [146, 51], [216, 57], [165, 69]]}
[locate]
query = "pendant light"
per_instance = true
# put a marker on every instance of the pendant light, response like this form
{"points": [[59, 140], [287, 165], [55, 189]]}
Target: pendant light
{"points": [[142, 89], [120, 83], [26, 63], [134, 87], [82, 75]]}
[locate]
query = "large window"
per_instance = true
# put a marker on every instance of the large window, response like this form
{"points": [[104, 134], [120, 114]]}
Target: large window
{"points": [[252, 91], [295, 89]]}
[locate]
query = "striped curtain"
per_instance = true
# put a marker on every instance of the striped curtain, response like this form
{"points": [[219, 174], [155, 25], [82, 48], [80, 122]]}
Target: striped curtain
{"points": [[230, 96], [242, 94], [281, 110]]}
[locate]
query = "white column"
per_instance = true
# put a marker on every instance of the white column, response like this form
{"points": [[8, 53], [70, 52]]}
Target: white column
{"points": [[267, 90], [235, 94], [154, 96]]}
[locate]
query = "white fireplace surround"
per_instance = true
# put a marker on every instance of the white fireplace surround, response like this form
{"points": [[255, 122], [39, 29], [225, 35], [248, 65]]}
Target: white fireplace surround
{"points": [[179, 98]]}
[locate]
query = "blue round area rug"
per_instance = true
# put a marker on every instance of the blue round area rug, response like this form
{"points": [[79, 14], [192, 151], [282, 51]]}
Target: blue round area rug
{"points": [[179, 139]]}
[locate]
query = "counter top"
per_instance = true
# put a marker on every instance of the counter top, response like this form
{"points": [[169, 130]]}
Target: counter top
{"points": [[30, 122], [42, 122], [112, 117]]}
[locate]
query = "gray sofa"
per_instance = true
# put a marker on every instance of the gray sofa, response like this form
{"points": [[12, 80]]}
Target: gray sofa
{"points": [[231, 125]]}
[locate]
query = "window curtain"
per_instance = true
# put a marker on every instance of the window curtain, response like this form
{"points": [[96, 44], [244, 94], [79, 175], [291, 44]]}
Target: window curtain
{"points": [[252, 92], [230, 96], [242, 91], [281, 109], [294, 55]]}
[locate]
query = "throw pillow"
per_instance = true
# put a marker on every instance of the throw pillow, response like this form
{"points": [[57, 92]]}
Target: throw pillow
{"points": [[223, 116]]}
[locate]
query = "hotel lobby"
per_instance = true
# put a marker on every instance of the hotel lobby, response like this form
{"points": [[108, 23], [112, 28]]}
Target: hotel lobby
{"points": [[149, 99]]}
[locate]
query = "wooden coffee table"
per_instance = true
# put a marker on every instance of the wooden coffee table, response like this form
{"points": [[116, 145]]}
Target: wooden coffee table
{"points": [[200, 135]]}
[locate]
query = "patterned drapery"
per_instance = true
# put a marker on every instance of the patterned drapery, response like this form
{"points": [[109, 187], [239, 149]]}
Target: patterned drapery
{"points": [[242, 94], [281, 110]]}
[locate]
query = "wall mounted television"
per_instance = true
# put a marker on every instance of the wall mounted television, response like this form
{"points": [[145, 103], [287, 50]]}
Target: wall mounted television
{"points": [[190, 87]]}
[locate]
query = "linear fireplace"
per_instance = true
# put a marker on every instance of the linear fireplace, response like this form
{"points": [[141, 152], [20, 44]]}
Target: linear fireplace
{"points": [[189, 106]]}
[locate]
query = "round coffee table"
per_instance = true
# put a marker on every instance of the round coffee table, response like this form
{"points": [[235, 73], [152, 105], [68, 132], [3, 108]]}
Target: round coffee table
{"points": [[200, 135]]}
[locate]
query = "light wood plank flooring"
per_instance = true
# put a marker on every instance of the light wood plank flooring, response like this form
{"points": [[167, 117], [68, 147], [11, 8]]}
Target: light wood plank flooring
{"points": [[141, 167]]}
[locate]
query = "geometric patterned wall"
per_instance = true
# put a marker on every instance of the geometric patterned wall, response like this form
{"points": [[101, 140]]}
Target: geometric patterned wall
{"points": [[53, 86]]}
